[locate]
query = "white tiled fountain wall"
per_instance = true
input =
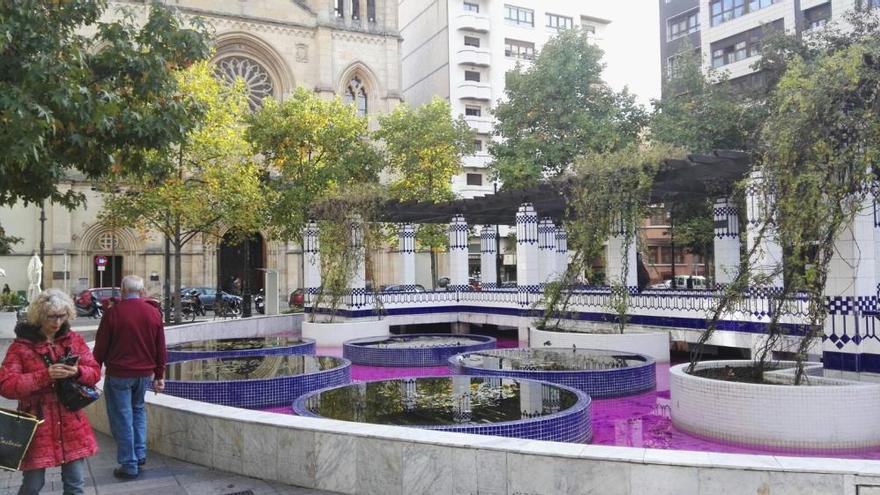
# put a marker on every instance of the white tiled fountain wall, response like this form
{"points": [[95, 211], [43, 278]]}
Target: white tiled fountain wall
{"points": [[387, 460], [831, 415]]}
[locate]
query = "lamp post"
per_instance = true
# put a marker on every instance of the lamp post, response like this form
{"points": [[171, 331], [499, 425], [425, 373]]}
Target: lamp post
{"points": [[245, 282], [43, 237]]}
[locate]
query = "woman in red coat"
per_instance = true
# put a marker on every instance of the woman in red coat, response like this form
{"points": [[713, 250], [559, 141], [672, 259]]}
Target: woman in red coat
{"points": [[65, 437]]}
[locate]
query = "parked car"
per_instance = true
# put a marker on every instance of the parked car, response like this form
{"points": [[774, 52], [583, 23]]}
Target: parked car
{"points": [[402, 288], [102, 294], [207, 295], [691, 282]]}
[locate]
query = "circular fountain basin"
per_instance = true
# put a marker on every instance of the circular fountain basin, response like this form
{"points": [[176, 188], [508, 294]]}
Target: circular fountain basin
{"points": [[254, 381], [422, 350], [240, 347], [599, 373], [485, 405]]}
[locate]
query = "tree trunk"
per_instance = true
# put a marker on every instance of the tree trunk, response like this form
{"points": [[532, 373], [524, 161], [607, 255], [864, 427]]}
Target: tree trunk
{"points": [[433, 269], [166, 285], [177, 273]]}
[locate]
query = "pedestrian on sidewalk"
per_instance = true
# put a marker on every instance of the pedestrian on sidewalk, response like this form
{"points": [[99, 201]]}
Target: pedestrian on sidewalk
{"points": [[65, 437], [131, 344]]}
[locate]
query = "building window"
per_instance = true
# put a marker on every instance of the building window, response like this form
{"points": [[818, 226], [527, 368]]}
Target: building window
{"points": [[741, 46], [371, 10], [471, 75], [658, 217], [682, 25], [725, 10], [472, 7], [817, 16], [107, 241], [588, 28], [675, 62], [257, 82], [355, 93], [355, 9], [523, 50], [472, 41], [473, 111], [339, 9], [478, 145], [519, 16], [475, 179], [558, 22]]}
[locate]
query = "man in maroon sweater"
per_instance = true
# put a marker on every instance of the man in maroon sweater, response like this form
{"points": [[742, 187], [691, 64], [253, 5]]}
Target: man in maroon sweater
{"points": [[131, 344]]}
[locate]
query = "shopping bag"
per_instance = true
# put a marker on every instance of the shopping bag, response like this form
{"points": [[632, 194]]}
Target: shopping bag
{"points": [[17, 430]]}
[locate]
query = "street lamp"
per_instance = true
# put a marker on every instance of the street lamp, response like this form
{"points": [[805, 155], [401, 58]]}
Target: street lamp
{"points": [[43, 236]]}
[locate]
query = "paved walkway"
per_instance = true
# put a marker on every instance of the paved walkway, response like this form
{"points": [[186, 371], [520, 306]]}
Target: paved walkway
{"points": [[162, 475]]}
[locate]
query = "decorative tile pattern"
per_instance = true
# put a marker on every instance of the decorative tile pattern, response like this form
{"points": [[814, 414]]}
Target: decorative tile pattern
{"points": [[599, 384], [364, 351]]}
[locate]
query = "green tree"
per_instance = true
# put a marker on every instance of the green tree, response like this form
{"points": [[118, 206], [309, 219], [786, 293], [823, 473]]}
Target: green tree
{"points": [[703, 112], [7, 241], [423, 148], [70, 103], [209, 185], [313, 148], [557, 109]]}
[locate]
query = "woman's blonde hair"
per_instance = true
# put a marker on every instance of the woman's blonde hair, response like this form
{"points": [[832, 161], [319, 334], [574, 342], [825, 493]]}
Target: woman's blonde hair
{"points": [[50, 301]]}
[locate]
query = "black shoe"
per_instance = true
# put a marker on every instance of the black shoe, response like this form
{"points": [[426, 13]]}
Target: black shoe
{"points": [[124, 475], [141, 462]]}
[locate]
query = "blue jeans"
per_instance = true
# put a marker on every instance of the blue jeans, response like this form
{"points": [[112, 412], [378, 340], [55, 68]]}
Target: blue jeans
{"points": [[72, 477], [128, 420]]}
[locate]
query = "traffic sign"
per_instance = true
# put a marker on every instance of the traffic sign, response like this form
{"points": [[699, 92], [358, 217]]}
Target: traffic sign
{"points": [[101, 261], [101, 268]]}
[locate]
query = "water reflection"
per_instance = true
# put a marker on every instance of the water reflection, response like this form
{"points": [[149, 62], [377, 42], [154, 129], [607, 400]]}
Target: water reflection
{"points": [[551, 359], [419, 341], [441, 401], [238, 344], [248, 368]]}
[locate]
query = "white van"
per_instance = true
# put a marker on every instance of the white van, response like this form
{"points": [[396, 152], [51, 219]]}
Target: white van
{"points": [[690, 282]]}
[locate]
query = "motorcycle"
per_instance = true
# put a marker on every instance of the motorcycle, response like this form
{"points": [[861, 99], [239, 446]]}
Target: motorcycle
{"points": [[227, 305], [92, 309], [191, 306], [260, 302]]}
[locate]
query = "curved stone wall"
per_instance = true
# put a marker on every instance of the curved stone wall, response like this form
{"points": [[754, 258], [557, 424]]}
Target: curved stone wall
{"points": [[306, 347], [654, 344], [826, 415], [390, 460]]}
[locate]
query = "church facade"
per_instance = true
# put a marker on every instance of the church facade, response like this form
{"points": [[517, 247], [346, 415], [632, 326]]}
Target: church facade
{"points": [[347, 48]]}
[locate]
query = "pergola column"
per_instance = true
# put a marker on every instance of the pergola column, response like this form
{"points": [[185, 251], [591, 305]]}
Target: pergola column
{"points": [[618, 260], [311, 262], [851, 296], [726, 242], [458, 253], [407, 255], [357, 280], [561, 249], [546, 250], [527, 263], [488, 257], [766, 260]]}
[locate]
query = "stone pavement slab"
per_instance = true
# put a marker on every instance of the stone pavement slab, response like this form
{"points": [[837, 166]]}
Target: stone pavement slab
{"points": [[161, 476]]}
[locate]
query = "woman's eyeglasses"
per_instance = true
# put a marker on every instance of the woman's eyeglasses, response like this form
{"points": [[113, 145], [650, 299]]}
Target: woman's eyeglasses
{"points": [[60, 316]]}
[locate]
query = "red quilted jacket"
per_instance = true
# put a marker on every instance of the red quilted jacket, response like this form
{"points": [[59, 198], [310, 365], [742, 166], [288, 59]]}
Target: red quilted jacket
{"points": [[64, 436]]}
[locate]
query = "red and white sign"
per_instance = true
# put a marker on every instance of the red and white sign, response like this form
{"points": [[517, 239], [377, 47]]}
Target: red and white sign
{"points": [[100, 261]]}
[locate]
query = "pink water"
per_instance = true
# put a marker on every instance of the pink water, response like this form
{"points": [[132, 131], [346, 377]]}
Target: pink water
{"points": [[635, 421]]}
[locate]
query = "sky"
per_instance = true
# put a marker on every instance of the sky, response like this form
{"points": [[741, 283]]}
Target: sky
{"points": [[632, 43]]}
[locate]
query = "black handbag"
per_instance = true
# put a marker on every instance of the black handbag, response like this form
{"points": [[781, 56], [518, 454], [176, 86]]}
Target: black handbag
{"points": [[17, 430], [72, 394]]}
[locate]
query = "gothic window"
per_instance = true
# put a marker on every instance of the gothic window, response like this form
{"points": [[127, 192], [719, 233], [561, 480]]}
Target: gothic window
{"points": [[256, 78], [355, 9], [356, 93], [339, 8], [107, 241], [371, 10]]}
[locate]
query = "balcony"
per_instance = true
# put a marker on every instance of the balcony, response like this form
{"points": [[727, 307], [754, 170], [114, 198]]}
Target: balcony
{"points": [[473, 22], [474, 56], [481, 125], [480, 160], [474, 91]]}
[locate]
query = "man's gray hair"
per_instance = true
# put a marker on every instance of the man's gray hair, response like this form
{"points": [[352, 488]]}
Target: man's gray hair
{"points": [[132, 283]]}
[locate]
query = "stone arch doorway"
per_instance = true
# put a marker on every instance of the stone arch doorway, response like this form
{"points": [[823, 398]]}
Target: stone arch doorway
{"points": [[232, 259]]}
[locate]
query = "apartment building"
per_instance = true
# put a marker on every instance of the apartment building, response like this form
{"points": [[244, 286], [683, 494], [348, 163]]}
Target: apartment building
{"points": [[461, 50], [728, 33]]}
